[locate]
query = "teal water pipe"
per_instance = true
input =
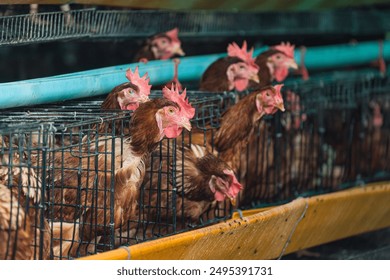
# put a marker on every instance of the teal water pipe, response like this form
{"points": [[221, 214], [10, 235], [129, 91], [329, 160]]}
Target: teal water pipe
{"points": [[100, 81]]}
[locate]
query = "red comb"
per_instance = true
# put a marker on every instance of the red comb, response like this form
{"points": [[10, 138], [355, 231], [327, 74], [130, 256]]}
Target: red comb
{"points": [[141, 82], [173, 34], [278, 87], [285, 48], [173, 94], [235, 51]]}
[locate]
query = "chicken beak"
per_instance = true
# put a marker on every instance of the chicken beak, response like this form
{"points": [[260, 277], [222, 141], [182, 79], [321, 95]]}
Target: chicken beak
{"points": [[186, 124], [179, 51], [292, 64], [255, 78], [280, 106], [233, 201]]}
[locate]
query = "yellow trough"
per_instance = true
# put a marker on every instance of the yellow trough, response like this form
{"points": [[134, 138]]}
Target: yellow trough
{"points": [[272, 232]]}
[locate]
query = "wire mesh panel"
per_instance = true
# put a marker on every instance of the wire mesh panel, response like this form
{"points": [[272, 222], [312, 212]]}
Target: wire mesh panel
{"points": [[81, 192], [22, 29], [78, 177], [99, 23], [332, 135], [24, 231]]}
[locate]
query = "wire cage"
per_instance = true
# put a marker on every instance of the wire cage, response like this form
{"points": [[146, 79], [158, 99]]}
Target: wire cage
{"points": [[24, 150], [80, 166], [333, 135], [161, 205], [76, 175]]}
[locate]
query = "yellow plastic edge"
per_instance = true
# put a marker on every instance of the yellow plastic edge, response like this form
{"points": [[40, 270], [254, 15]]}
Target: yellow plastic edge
{"points": [[269, 234]]}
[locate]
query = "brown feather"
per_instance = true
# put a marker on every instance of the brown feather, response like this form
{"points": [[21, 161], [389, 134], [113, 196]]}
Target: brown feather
{"points": [[264, 72], [192, 198], [111, 101], [26, 186], [236, 128], [214, 79], [228, 140], [16, 231]]}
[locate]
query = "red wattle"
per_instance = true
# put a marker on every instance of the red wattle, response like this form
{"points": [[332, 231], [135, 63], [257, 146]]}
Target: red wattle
{"points": [[281, 74], [173, 131], [219, 196], [241, 84]]}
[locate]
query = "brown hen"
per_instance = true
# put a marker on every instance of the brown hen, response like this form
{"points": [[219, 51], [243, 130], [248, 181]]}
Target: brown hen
{"points": [[160, 47]]}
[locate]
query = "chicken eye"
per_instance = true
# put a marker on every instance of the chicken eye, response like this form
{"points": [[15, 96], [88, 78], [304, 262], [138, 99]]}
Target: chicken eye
{"points": [[171, 111], [267, 94], [131, 91], [242, 67], [278, 57]]}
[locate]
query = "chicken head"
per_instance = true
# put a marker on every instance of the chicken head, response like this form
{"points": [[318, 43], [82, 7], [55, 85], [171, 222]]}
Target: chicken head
{"points": [[170, 119], [281, 62], [167, 45], [130, 97], [225, 185], [239, 75], [269, 100]]}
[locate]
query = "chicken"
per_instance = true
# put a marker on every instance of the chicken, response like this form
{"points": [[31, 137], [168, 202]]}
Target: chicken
{"points": [[366, 140], [18, 171], [231, 72], [126, 96], [160, 47], [262, 170], [274, 64], [170, 205], [200, 180], [231, 137], [16, 231], [129, 95], [82, 194], [378, 131]]}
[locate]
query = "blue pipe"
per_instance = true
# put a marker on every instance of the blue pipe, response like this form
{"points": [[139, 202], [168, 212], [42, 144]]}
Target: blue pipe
{"points": [[335, 56], [100, 81]]}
